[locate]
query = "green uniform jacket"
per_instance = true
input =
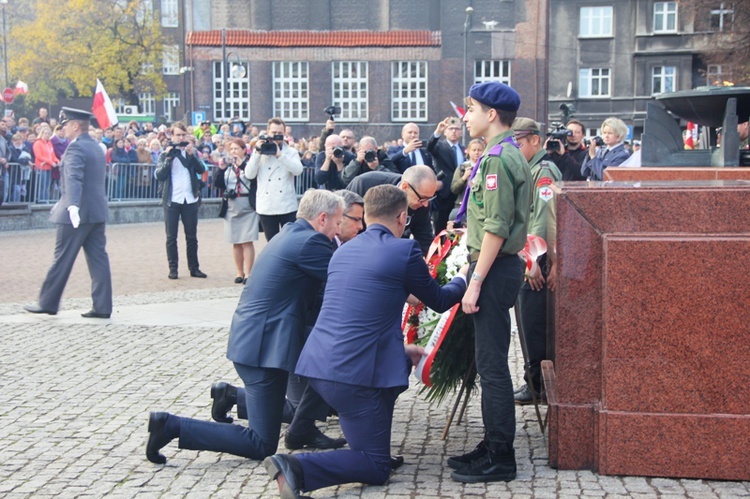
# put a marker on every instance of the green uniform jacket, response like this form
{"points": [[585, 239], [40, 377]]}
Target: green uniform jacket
{"points": [[500, 198], [543, 175]]}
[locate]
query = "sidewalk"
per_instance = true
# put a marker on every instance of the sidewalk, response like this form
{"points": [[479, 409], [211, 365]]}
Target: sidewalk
{"points": [[75, 393]]}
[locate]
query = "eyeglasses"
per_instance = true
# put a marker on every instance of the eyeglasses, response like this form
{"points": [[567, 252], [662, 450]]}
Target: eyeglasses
{"points": [[353, 219], [421, 197], [408, 220]]}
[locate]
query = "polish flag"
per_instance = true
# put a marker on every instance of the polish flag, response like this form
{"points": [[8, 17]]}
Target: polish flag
{"points": [[103, 109], [21, 88], [691, 136], [459, 110]]}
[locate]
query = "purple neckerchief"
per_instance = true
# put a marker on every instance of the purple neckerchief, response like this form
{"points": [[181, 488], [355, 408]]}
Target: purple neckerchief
{"points": [[495, 151]]}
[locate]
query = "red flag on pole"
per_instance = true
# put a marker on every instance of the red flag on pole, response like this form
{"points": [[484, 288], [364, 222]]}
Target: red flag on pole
{"points": [[103, 108], [691, 136], [21, 88], [458, 110]]}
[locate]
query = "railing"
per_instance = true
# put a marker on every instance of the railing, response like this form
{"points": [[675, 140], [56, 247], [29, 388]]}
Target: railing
{"points": [[124, 182]]}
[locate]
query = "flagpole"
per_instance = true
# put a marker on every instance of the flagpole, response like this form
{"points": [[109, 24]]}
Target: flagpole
{"points": [[5, 45]]}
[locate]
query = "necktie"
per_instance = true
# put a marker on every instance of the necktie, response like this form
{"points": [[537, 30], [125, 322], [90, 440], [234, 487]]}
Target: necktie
{"points": [[413, 158], [457, 153]]}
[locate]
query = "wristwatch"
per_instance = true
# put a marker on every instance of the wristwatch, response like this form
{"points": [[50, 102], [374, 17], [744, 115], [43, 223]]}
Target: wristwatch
{"points": [[477, 277]]}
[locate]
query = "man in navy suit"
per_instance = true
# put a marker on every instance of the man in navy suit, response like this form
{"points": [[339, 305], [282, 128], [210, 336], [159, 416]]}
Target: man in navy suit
{"points": [[447, 155], [355, 357], [266, 335], [413, 152]]}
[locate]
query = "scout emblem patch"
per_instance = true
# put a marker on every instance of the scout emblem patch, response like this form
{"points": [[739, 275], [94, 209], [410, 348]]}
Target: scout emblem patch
{"points": [[491, 182], [545, 194]]}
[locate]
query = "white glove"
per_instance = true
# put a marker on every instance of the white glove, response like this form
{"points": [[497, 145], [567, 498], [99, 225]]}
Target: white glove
{"points": [[75, 217]]}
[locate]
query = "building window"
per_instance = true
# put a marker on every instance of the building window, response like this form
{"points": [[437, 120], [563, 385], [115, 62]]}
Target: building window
{"points": [[144, 12], [147, 103], [718, 74], [492, 71], [171, 60], [171, 101], [409, 91], [119, 104], [238, 91], [169, 14], [665, 17], [593, 82], [596, 21], [291, 91], [721, 18], [350, 89], [663, 79]]}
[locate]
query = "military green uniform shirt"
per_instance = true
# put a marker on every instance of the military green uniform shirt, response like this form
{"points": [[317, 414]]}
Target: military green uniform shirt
{"points": [[500, 198], [543, 175]]}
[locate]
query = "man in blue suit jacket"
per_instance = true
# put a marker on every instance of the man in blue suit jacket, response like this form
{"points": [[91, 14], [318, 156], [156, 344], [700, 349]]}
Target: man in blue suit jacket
{"points": [[413, 152], [355, 357], [266, 335]]}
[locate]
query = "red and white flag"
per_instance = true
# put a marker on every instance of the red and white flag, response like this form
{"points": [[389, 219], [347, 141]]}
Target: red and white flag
{"points": [[458, 110], [103, 108], [21, 88], [691, 136]]}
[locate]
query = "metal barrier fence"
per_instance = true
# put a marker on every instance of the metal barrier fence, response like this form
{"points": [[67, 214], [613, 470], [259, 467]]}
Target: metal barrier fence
{"points": [[125, 182]]}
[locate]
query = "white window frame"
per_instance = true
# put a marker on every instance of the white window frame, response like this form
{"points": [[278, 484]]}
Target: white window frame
{"points": [[349, 89], [409, 92], [171, 100], [170, 14], [147, 103], [492, 70], [662, 77], [171, 60], [238, 94], [144, 12], [596, 22], [586, 79], [291, 90], [717, 74], [721, 12], [119, 104], [665, 17]]}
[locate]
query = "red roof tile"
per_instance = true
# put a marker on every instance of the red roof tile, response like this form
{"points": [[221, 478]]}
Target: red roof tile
{"points": [[246, 38]]}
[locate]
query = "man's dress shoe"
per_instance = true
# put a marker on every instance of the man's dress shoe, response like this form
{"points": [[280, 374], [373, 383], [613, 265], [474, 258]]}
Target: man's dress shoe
{"points": [[314, 439], [397, 462], [224, 397], [91, 314], [172, 274], [287, 472], [157, 437], [34, 308], [197, 273]]}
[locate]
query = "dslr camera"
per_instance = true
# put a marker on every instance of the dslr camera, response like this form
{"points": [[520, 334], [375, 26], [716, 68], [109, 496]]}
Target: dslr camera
{"points": [[332, 110], [175, 151], [557, 137], [230, 194], [268, 147], [338, 152], [597, 140], [370, 156]]}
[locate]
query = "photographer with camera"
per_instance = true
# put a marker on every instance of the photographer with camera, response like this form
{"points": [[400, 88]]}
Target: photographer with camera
{"points": [[238, 207], [607, 150], [369, 158], [274, 163], [178, 170], [347, 136], [330, 164], [565, 148]]}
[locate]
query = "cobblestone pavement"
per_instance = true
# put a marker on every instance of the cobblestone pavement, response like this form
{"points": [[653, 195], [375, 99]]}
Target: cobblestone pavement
{"points": [[75, 394]]}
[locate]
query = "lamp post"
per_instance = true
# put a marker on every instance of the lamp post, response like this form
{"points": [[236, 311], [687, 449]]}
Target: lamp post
{"points": [[5, 44], [467, 23], [237, 71]]}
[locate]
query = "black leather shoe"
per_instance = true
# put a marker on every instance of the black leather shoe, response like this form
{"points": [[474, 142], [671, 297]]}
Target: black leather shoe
{"points": [[197, 273], [91, 314], [34, 308], [224, 397], [287, 472], [397, 462], [457, 462], [523, 396], [238, 280], [172, 274], [314, 440], [157, 437], [491, 467]]}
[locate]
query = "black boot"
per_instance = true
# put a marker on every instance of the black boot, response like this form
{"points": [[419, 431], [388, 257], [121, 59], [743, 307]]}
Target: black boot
{"points": [[457, 462], [159, 435], [497, 465], [224, 398]]}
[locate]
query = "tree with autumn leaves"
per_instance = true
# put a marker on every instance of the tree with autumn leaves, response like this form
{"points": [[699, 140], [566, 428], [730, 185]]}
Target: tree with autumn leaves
{"points": [[66, 45]]}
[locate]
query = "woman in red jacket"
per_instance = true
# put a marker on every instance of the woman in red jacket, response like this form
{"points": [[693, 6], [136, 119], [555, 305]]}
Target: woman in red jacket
{"points": [[44, 160]]}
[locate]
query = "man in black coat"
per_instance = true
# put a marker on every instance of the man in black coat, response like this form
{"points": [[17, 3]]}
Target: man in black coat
{"points": [[447, 155]]}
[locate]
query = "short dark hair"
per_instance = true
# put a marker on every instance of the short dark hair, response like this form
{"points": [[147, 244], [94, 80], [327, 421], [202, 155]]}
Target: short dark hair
{"points": [[276, 121], [575, 122], [384, 201], [179, 125]]}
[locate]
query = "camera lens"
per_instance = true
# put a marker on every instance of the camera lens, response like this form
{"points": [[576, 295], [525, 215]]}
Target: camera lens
{"points": [[338, 152], [370, 156]]}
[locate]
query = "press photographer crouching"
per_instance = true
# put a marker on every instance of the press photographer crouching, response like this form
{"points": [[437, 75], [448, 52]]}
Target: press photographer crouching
{"points": [[178, 169], [238, 206], [566, 149], [274, 164]]}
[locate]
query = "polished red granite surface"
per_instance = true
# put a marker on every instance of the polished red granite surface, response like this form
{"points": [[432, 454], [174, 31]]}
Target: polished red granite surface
{"points": [[652, 329], [625, 173]]}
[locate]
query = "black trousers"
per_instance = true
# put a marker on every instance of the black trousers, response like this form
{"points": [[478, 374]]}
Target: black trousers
{"points": [[188, 212], [272, 224], [533, 308]]}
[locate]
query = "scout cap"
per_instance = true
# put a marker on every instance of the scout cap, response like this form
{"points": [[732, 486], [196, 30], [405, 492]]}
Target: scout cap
{"points": [[496, 95]]}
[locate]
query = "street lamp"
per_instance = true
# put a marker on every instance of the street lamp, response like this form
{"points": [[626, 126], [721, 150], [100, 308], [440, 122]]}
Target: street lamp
{"points": [[237, 70], [467, 23], [5, 45]]}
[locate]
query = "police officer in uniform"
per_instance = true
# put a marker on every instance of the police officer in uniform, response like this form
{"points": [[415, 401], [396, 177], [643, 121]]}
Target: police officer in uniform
{"points": [[81, 216]]}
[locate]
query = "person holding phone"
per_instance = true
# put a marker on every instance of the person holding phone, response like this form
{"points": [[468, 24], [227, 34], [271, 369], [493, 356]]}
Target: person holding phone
{"points": [[448, 154]]}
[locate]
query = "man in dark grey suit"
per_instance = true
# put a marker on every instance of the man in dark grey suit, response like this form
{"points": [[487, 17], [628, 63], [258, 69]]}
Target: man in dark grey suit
{"points": [[446, 156], [81, 216], [266, 335]]}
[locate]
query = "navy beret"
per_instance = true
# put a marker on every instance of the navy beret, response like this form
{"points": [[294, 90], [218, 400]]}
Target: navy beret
{"points": [[496, 95]]}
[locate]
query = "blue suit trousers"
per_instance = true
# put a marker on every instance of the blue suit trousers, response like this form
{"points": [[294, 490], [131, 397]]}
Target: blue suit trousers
{"points": [[265, 391], [366, 416]]}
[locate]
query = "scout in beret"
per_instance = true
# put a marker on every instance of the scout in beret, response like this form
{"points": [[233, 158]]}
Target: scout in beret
{"points": [[496, 204]]}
